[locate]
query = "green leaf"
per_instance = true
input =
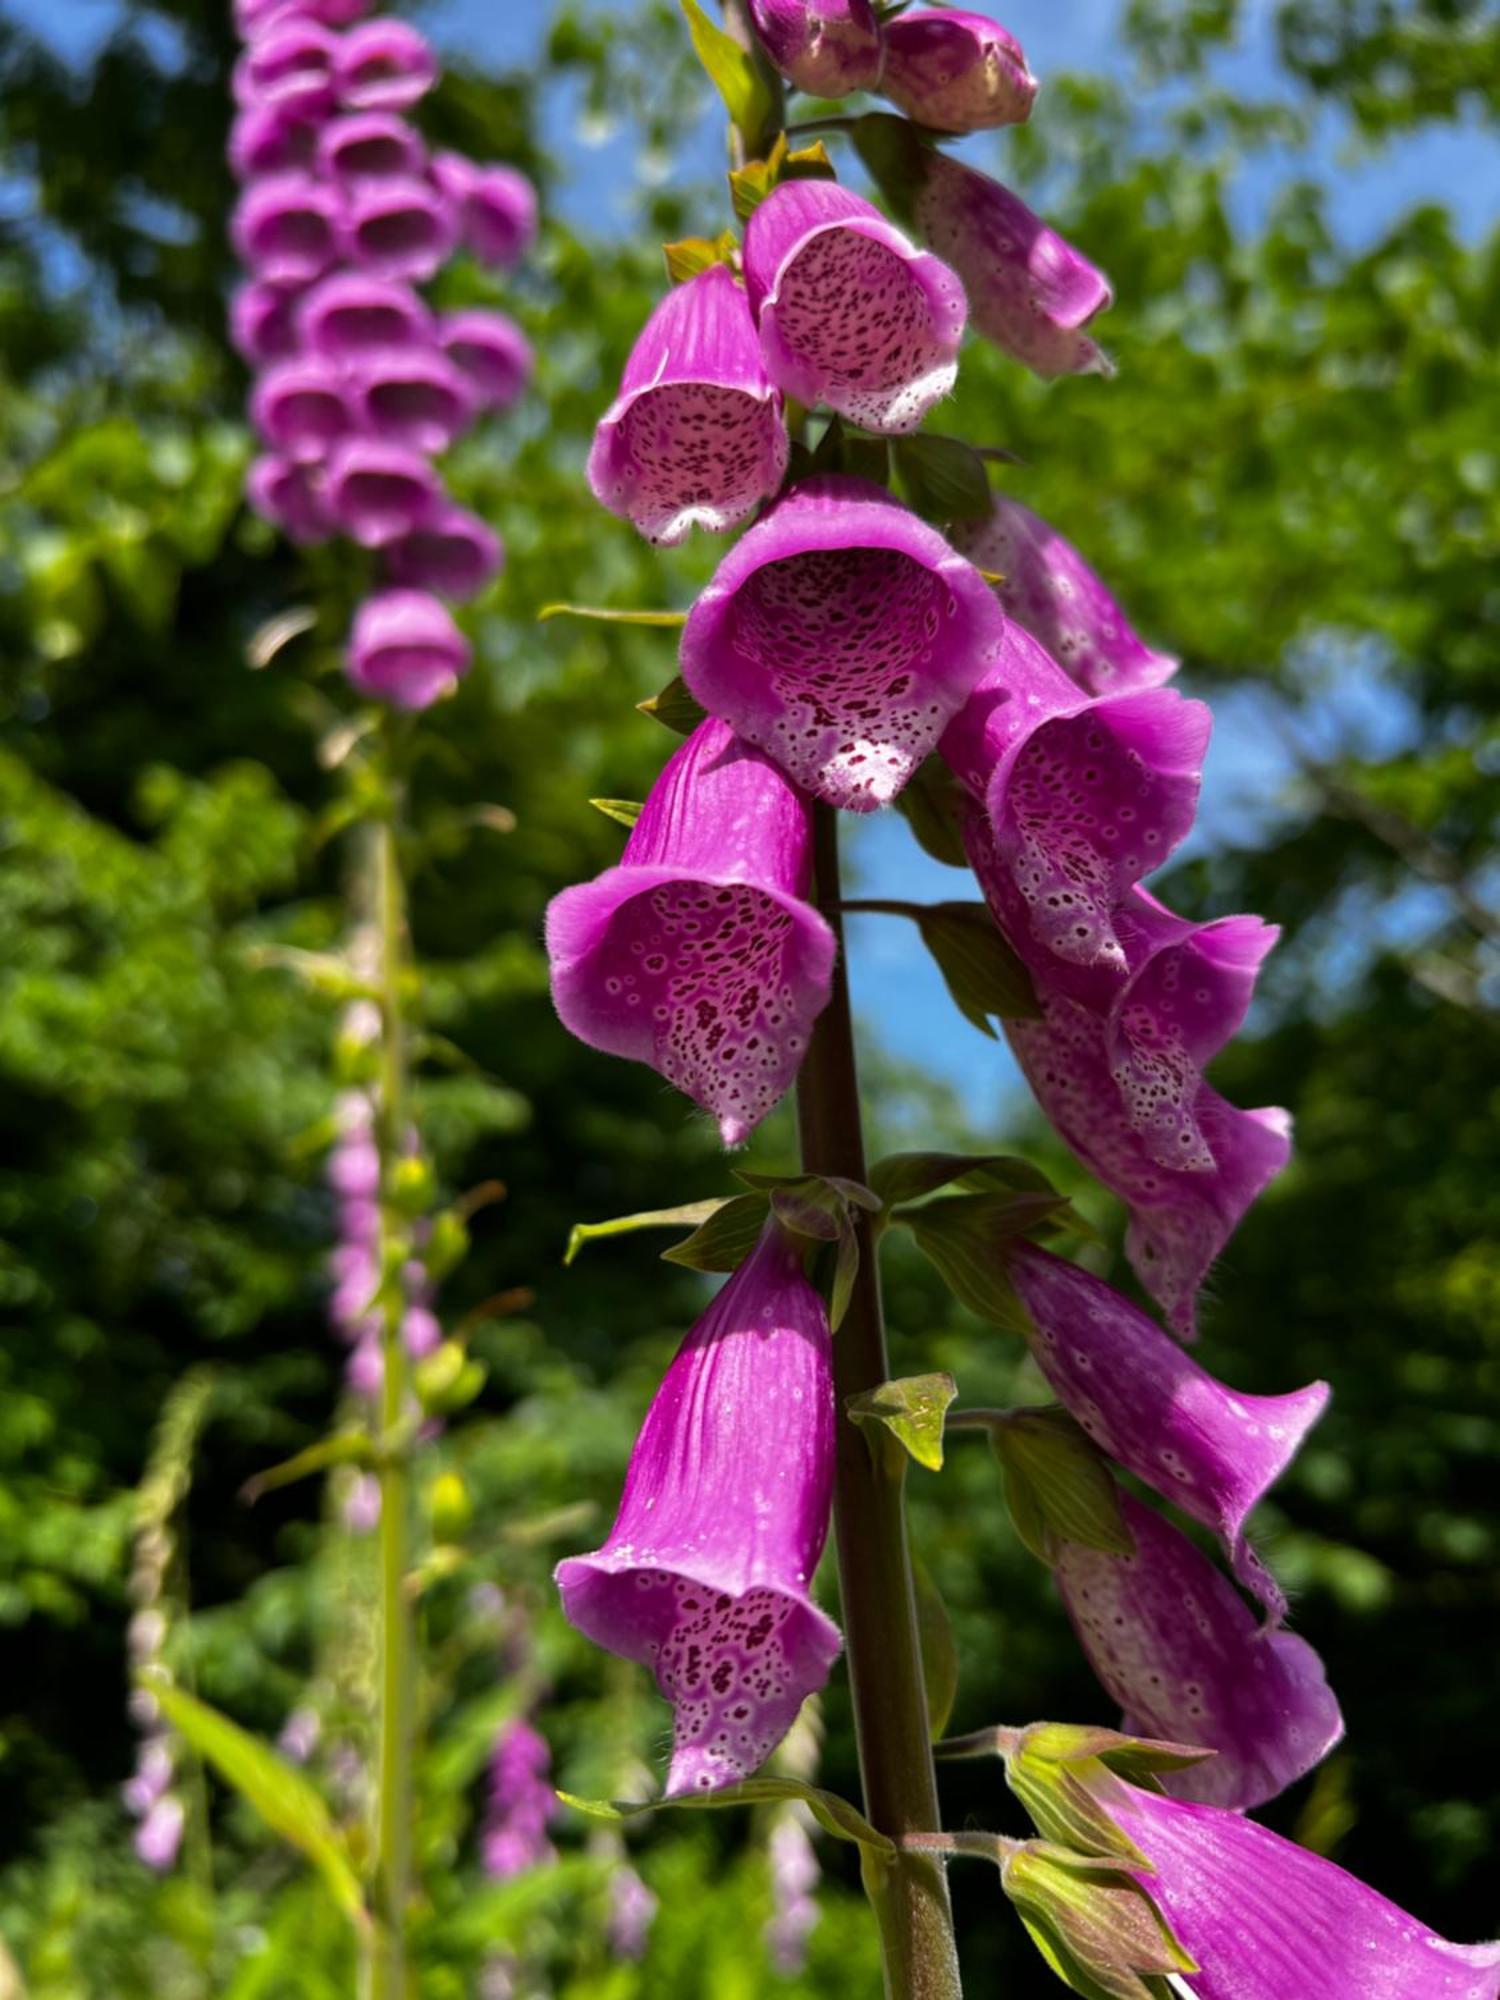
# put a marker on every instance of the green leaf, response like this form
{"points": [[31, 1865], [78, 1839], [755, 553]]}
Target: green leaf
{"points": [[1057, 1484], [929, 803], [283, 1797], [674, 708], [939, 1649], [734, 74], [690, 1213], [833, 1814], [725, 1238], [343, 1448], [695, 254], [626, 811], [965, 1237], [943, 478], [902, 1177], [609, 616], [912, 1409], [981, 972]]}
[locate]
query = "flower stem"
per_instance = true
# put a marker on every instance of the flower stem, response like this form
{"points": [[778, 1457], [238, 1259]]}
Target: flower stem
{"points": [[910, 1893], [389, 1974]]}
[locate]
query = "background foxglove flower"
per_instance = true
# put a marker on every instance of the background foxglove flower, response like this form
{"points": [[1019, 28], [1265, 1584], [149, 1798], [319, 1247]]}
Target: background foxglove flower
{"points": [[826, 47], [495, 207], [292, 496], [453, 553], [352, 314], [398, 228], [369, 146], [413, 396], [519, 1805], [383, 66], [302, 408], [956, 72], [378, 491], [286, 228], [841, 634], [405, 648], [491, 350]]}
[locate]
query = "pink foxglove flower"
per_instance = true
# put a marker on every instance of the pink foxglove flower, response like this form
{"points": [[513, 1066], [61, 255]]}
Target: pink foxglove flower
{"points": [[841, 634], [398, 228], [521, 1802], [1210, 1450], [851, 314], [291, 66], [254, 17], [826, 47], [492, 351], [1047, 587], [383, 66], [413, 396], [453, 553], [302, 408], [268, 139], [378, 492], [1266, 1919], [286, 228], [632, 1911], [706, 1575], [405, 649], [290, 495], [262, 321], [695, 438], [495, 206], [697, 953], [1079, 800], [956, 72], [351, 314], [794, 1880], [369, 146], [1182, 1653]]}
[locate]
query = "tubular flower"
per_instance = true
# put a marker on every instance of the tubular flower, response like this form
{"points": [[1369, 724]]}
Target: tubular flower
{"points": [[406, 648], [398, 228], [841, 634], [286, 228], [1047, 587], [291, 67], [261, 322], [520, 1804], [697, 953], [369, 146], [825, 47], [1122, 1082], [956, 72], [377, 492], [288, 494], [707, 1572], [1177, 1646], [1074, 800], [492, 351], [851, 314], [351, 315], [265, 139], [1029, 292], [383, 66], [453, 553], [302, 408], [1210, 1450], [495, 206], [1269, 1920], [695, 438], [413, 396]]}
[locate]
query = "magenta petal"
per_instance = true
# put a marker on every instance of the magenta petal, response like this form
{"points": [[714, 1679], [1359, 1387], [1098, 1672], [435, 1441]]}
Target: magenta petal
{"points": [[1173, 1642], [1049, 588], [262, 321], [454, 553], [384, 66], [697, 954], [405, 649], [851, 314], [378, 492], [413, 396], [290, 66], [268, 139], [1209, 1449], [956, 72], [1269, 1920], [291, 496], [1029, 291], [496, 207], [350, 315], [302, 408], [286, 228], [695, 438], [398, 228], [706, 1575], [825, 47], [841, 634], [492, 351], [369, 146]]}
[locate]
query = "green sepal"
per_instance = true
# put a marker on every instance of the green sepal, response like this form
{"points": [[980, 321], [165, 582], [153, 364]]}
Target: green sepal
{"points": [[608, 615], [689, 1214], [284, 1798], [1138, 1759], [1057, 1485], [982, 973], [943, 478], [833, 1814], [724, 1239], [749, 185], [734, 73], [447, 1244], [674, 708], [448, 1379], [696, 254], [822, 1207], [903, 1177], [911, 1409], [929, 803], [1094, 1924], [355, 1447], [626, 811], [939, 1649], [965, 1237]]}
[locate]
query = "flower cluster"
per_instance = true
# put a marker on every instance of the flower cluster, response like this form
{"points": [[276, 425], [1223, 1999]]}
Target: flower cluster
{"points": [[343, 214], [520, 1803]]}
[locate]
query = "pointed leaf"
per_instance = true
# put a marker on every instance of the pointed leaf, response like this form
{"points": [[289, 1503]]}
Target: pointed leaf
{"points": [[903, 1177], [1062, 1481], [696, 254], [725, 1238], [674, 708], [343, 1448], [912, 1410], [734, 74], [690, 1213], [929, 803], [979, 968], [607, 615], [965, 1238], [833, 1814], [939, 1649], [943, 478], [626, 811]]}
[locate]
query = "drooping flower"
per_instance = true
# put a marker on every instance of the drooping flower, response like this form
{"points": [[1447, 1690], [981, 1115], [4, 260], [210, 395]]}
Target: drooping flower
{"points": [[288, 494], [268, 139], [383, 66], [404, 648], [632, 1910], [956, 72], [841, 634], [1266, 1919], [286, 228], [697, 953], [519, 1805], [706, 1575], [291, 66], [378, 492], [262, 322], [492, 351], [352, 314], [495, 206], [695, 438], [159, 1835], [398, 228], [851, 314], [1047, 587], [1183, 1654], [1210, 1450], [1076, 800], [453, 553], [413, 396], [302, 408], [369, 145], [825, 47]]}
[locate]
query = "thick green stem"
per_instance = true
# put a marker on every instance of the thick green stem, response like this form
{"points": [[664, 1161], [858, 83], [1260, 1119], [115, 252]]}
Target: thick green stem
{"points": [[390, 1977], [881, 1637]]}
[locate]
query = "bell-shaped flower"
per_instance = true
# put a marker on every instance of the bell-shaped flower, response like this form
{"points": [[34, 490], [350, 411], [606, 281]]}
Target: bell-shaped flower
{"points": [[413, 396], [852, 315], [695, 438], [302, 408], [286, 228], [706, 1576], [383, 66], [842, 634], [292, 497], [1029, 292], [1080, 799], [253, 18], [369, 146], [825, 47], [1048, 588], [405, 649], [1122, 1083], [268, 139], [1210, 1450], [453, 553], [956, 72], [263, 322], [1267, 1919], [697, 954], [1174, 1643], [491, 350], [378, 492], [291, 66], [398, 228], [520, 1803], [350, 315], [495, 206]]}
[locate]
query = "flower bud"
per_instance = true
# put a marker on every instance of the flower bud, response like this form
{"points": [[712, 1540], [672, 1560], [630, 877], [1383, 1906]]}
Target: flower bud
{"points": [[956, 72]]}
